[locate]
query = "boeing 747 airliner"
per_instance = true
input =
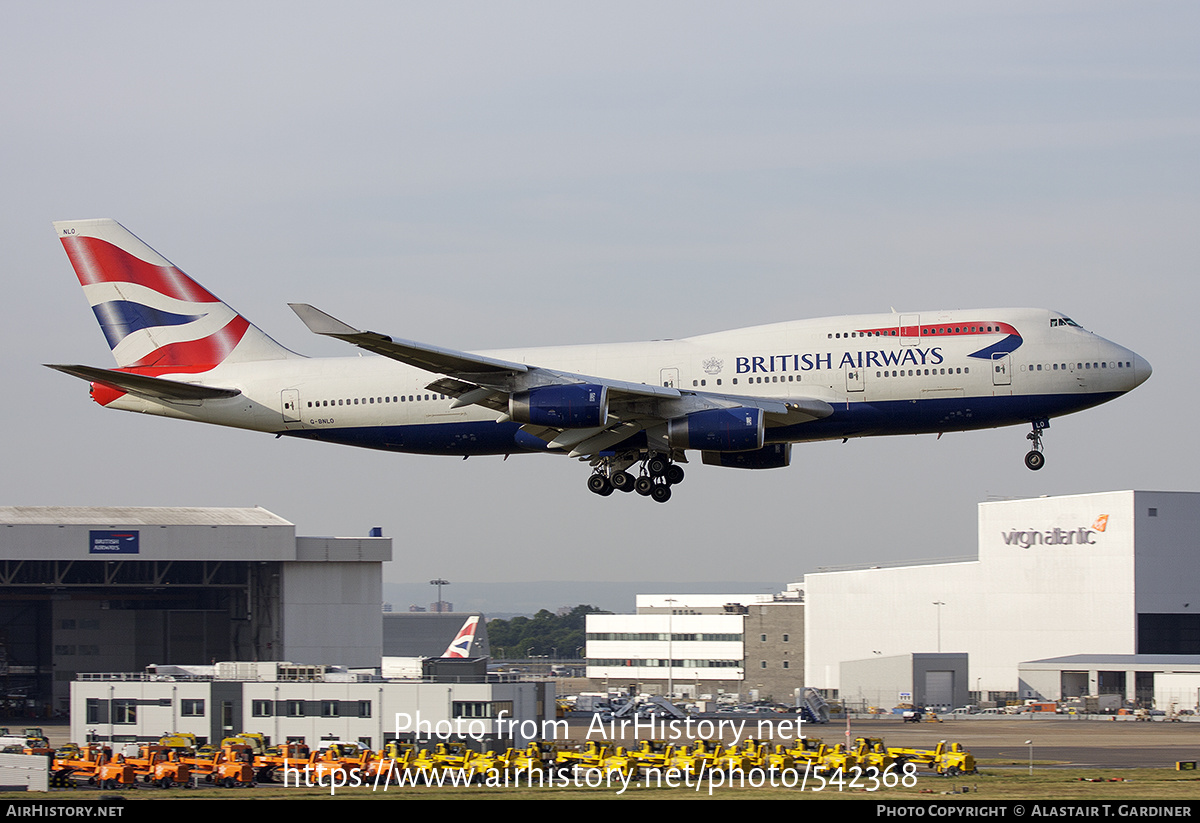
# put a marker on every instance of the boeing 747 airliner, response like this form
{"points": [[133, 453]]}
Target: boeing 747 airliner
{"points": [[740, 398]]}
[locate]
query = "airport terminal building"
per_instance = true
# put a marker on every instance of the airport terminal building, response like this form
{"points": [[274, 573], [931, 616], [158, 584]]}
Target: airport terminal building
{"points": [[1055, 579], [702, 644]]}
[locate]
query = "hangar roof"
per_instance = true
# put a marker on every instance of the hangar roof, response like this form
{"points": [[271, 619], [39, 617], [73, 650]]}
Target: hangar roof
{"points": [[138, 516], [171, 533], [1118, 661]]}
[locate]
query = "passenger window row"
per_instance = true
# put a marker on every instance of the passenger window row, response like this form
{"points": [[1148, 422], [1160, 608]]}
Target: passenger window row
{"points": [[370, 401]]}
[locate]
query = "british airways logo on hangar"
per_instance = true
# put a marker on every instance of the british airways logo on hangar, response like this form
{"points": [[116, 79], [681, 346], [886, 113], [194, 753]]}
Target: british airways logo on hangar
{"points": [[113, 542]]}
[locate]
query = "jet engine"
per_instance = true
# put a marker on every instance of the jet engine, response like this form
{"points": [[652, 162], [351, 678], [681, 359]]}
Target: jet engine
{"points": [[574, 406], [720, 430]]}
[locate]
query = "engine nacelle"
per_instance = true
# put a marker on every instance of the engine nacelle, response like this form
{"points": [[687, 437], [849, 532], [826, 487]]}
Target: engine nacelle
{"points": [[719, 430], [774, 456], [574, 406]]}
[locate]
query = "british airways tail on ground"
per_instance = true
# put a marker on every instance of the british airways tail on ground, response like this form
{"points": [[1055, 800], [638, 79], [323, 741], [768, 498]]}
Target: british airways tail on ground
{"points": [[460, 646], [632, 411]]}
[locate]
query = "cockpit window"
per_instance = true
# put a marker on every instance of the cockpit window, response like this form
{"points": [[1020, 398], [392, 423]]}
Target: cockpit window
{"points": [[1063, 321]]}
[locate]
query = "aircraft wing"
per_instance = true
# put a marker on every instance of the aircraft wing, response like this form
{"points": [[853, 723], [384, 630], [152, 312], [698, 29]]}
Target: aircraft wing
{"points": [[156, 388], [421, 355], [474, 379]]}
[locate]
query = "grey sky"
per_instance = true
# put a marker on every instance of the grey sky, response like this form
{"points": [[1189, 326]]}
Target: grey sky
{"points": [[511, 174]]}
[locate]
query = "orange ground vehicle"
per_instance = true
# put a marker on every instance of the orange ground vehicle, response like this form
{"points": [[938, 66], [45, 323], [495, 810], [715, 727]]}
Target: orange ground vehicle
{"points": [[231, 765], [157, 764], [97, 764]]}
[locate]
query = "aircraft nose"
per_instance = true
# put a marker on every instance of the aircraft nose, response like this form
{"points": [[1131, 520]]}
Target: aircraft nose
{"points": [[1141, 370]]}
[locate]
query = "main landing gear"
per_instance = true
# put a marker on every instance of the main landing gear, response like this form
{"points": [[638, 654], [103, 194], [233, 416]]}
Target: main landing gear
{"points": [[1034, 460], [658, 474]]}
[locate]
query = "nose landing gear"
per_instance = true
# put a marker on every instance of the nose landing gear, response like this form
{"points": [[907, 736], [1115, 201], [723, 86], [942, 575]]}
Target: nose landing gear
{"points": [[1035, 459]]}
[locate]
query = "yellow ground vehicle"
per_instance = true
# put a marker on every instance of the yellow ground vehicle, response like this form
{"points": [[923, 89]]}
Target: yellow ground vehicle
{"points": [[775, 758], [741, 758], [591, 756], [697, 758], [946, 759], [807, 750], [870, 751], [836, 758]]}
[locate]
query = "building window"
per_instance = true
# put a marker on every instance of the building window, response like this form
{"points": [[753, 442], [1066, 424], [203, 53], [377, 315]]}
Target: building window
{"points": [[260, 708], [191, 708], [124, 712], [1153, 513], [93, 710], [329, 708], [364, 708], [295, 708], [785, 638], [785, 664], [764, 664], [481, 708]]}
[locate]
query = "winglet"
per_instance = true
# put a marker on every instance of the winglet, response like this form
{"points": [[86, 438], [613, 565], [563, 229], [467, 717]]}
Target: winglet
{"points": [[319, 322]]}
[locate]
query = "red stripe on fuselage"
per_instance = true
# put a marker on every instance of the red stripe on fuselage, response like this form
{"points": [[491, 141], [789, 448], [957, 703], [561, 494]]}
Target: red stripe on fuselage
{"points": [[97, 261], [948, 329]]}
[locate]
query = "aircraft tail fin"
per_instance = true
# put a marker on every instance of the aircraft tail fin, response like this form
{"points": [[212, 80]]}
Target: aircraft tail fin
{"points": [[460, 646], [153, 315]]}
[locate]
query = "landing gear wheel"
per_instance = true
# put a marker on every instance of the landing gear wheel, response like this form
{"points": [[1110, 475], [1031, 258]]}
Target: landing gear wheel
{"points": [[657, 465], [599, 484], [661, 493], [674, 474], [643, 485], [1034, 460], [622, 481]]}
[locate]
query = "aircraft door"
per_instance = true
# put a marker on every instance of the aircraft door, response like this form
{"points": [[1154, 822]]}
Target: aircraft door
{"points": [[910, 329], [289, 404], [854, 379], [1001, 370], [669, 378]]}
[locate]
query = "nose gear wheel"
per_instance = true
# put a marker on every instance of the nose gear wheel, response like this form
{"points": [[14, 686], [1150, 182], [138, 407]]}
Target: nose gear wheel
{"points": [[1035, 459]]}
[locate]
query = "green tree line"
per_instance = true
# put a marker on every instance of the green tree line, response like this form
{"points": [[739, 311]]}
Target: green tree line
{"points": [[545, 634]]}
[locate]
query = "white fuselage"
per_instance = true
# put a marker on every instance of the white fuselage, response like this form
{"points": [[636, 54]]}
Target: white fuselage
{"points": [[883, 374]]}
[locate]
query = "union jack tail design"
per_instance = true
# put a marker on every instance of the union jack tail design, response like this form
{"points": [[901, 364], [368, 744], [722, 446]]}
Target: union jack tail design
{"points": [[154, 316], [460, 646]]}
